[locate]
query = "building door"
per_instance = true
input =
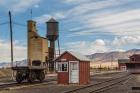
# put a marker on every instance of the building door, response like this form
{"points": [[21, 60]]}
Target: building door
{"points": [[123, 68], [74, 72]]}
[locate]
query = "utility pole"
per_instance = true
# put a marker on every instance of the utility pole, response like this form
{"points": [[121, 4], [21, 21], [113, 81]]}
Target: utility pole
{"points": [[58, 45], [111, 61], [31, 14], [11, 41]]}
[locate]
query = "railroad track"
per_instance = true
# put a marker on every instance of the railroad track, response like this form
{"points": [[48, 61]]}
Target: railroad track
{"points": [[102, 86], [15, 85], [111, 75]]}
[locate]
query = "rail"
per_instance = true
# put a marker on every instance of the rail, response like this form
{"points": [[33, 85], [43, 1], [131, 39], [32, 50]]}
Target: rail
{"points": [[101, 86]]}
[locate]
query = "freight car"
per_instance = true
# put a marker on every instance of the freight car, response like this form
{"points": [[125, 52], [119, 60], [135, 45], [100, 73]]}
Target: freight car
{"points": [[40, 54], [29, 73]]}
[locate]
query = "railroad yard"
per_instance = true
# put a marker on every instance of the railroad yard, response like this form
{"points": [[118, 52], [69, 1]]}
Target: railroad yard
{"points": [[117, 82], [69, 46]]}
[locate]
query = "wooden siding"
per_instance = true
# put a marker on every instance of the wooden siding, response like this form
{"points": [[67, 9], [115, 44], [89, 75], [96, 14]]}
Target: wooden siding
{"points": [[135, 58], [63, 78], [84, 72]]}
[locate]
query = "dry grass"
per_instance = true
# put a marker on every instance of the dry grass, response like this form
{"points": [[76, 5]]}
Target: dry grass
{"points": [[5, 72], [103, 64], [5, 75]]}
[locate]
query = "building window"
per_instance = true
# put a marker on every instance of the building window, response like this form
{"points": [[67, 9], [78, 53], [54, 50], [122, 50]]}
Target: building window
{"points": [[74, 66], [133, 59], [62, 66]]}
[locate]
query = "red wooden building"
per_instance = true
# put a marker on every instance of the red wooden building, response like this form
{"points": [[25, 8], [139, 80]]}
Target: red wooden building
{"points": [[122, 64], [73, 68], [132, 65]]}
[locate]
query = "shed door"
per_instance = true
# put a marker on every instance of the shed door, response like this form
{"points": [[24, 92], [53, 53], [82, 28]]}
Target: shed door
{"points": [[74, 72]]}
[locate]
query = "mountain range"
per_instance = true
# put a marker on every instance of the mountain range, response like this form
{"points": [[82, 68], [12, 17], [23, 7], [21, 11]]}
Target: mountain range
{"points": [[112, 56], [97, 57], [17, 63]]}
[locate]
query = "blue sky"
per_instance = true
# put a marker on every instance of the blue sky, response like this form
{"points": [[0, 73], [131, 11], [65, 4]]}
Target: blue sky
{"points": [[86, 26]]}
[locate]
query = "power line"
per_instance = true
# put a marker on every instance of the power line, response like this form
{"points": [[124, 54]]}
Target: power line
{"points": [[3, 23], [23, 25], [19, 24]]}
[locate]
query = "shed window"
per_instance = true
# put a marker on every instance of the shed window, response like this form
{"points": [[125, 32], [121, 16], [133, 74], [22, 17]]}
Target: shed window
{"points": [[62, 67]]}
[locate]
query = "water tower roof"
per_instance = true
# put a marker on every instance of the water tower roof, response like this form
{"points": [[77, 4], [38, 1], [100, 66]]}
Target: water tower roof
{"points": [[52, 20]]}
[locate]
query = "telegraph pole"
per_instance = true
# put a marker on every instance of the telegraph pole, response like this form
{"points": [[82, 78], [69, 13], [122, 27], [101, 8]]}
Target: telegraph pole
{"points": [[31, 14], [11, 41], [111, 61], [58, 45]]}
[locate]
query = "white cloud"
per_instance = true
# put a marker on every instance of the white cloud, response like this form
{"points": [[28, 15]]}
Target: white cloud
{"points": [[86, 47], [126, 40], [99, 42], [100, 17], [20, 51], [18, 5], [36, 6], [100, 46], [76, 12], [124, 16], [81, 10], [74, 1], [116, 23], [43, 18], [90, 15], [126, 22]]}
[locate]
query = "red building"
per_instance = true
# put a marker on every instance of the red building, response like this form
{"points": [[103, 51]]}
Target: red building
{"points": [[133, 65], [73, 68], [122, 64], [135, 58]]}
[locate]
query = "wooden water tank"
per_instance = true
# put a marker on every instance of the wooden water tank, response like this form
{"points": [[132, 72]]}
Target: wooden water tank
{"points": [[52, 29]]}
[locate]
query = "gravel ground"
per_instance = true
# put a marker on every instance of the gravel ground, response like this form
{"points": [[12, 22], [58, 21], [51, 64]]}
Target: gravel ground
{"points": [[54, 88], [126, 87], [42, 89]]}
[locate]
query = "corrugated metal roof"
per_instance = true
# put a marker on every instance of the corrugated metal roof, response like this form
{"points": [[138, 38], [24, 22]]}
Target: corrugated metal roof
{"points": [[79, 56], [75, 54], [123, 60]]}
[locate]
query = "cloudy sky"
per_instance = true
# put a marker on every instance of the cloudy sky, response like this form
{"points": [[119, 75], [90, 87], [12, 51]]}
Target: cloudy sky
{"points": [[86, 26]]}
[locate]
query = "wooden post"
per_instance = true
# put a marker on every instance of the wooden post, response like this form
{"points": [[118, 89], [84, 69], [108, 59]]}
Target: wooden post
{"points": [[11, 41]]}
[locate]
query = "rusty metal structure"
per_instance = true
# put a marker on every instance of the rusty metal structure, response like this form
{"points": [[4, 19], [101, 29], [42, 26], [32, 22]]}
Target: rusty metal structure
{"points": [[52, 36], [37, 46]]}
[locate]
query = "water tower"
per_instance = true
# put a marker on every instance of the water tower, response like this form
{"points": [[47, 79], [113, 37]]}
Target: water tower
{"points": [[52, 36]]}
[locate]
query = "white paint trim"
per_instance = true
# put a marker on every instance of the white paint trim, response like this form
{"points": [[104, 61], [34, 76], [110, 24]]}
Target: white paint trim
{"points": [[70, 70], [63, 59], [61, 63]]}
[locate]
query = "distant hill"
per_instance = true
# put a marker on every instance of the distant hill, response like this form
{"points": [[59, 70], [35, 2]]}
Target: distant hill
{"points": [[112, 56], [97, 57], [17, 63], [4, 64]]}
